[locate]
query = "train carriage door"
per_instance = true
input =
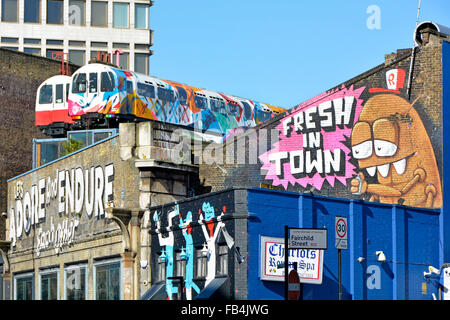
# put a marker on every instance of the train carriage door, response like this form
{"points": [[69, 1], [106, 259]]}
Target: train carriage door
{"points": [[45, 104], [130, 98], [58, 103]]}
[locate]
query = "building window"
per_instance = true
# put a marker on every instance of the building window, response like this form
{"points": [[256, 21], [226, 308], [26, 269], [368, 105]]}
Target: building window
{"points": [[118, 45], [49, 284], [77, 57], [77, 12], [141, 16], [35, 51], [99, 44], [49, 52], [24, 287], [76, 282], [141, 63], [55, 42], [55, 11], [107, 281], [31, 41], [180, 264], [74, 43], [32, 11], [124, 58], [202, 259], [223, 260], [10, 40], [120, 15], [139, 46], [99, 14], [9, 11]]}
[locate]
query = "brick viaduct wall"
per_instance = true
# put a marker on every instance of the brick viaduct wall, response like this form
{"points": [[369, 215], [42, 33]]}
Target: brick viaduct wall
{"points": [[413, 122], [20, 76]]}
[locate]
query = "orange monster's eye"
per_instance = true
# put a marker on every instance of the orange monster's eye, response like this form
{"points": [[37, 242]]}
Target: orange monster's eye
{"points": [[385, 134], [362, 140]]}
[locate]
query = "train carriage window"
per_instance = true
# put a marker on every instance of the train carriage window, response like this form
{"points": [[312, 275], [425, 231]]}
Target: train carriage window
{"points": [[46, 94], [93, 82], [67, 91], [59, 94], [182, 95], [222, 106], [79, 83], [233, 109], [166, 94], [107, 82], [247, 110], [213, 104], [130, 87], [146, 90], [201, 102]]}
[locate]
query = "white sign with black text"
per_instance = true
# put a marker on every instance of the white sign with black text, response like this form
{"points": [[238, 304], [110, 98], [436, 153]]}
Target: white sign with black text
{"points": [[309, 261]]}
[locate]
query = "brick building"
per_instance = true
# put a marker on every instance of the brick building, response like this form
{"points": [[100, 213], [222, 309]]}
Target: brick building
{"points": [[20, 76]]}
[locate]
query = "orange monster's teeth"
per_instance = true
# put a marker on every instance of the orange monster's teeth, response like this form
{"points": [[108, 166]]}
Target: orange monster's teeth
{"points": [[372, 170], [400, 166], [384, 170]]}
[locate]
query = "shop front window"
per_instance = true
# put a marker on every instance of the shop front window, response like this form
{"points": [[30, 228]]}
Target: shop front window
{"points": [[24, 287], [49, 285], [76, 283], [107, 281]]}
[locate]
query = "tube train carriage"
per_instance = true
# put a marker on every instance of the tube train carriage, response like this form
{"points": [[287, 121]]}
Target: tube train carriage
{"points": [[102, 96], [51, 113]]}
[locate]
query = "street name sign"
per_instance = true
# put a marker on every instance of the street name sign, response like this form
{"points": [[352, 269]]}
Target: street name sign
{"points": [[307, 239]]}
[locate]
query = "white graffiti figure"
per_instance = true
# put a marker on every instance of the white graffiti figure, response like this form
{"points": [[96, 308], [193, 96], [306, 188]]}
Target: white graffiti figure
{"points": [[167, 242], [211, 232]]}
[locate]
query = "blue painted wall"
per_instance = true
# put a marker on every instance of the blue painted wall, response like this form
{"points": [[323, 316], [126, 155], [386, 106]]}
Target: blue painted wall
{"points": [[445, 230], [409, 237]]}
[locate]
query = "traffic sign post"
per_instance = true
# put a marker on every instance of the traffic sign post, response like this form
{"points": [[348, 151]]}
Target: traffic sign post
{"points": [[301, 238], [341, 242]]}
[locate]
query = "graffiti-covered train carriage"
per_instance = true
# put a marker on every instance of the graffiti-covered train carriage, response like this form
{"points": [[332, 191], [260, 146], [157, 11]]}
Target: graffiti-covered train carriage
{"points": [[101, 95]]}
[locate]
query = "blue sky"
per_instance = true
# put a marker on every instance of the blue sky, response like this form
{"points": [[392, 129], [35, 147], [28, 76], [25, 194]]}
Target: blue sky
{"points": [[279, 52]]}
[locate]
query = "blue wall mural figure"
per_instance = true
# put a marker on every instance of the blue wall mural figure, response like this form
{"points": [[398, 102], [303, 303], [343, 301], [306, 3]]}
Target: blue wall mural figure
{"points": [[186, 230]]}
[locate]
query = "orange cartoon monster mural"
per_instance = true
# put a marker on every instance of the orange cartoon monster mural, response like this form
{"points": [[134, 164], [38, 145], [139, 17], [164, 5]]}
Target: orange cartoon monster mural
{"points": [[390, 141]]}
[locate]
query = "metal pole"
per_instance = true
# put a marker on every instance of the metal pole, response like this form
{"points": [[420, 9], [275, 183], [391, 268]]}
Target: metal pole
{"points": [[413, 51], [286, 261], [339, 275]]}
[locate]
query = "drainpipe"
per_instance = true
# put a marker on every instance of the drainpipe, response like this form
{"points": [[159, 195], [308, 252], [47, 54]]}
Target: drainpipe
{"points": [[413, 54]]}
